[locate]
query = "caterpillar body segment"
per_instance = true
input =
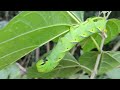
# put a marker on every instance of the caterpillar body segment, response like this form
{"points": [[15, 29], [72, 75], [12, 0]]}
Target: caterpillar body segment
{"points": [[47, 66], [75, 35], [57, 52]]}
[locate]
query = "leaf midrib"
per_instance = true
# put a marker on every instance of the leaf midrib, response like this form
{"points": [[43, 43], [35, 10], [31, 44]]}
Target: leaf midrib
{"points": [[79, 64], [111, 57], [35, 45], [33, 31]]}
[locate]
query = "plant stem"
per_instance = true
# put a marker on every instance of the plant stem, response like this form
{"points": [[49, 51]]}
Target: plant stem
{"points": [[108, 14], [7, 15], [115, 48], [74, 49], [73, 16], [96, 44], [98, 57], [23, 70], [48, 47], [37, 53], [103, 35]]}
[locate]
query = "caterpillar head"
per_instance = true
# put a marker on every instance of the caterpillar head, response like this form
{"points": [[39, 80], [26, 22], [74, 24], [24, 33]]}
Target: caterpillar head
{"points": [[101, 24], [45, 66]]}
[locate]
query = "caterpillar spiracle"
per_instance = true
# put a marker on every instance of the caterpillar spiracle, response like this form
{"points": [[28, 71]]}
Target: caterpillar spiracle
{"points": [[85, 29]]}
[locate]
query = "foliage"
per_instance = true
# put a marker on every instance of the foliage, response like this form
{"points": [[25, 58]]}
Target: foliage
{"points": [[30, 30]]}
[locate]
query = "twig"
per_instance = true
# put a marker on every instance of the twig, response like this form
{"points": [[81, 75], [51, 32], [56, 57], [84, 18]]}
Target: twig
{"points": [[108, 14], [74, 49], [7, 15], [48, 47], [103, 35], [28, 59], [37, 53], [116, 46], [98, 58], [23, 70], [96, 44], [104, 13], [24, 60], [79, 77], [73, 16]]}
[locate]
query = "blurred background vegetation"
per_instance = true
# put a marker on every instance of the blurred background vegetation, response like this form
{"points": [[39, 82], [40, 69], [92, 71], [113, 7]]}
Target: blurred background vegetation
{"points": [[28, 60]]}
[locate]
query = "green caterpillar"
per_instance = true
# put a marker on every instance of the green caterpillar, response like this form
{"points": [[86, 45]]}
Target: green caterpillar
{"points": [[75, 35]]}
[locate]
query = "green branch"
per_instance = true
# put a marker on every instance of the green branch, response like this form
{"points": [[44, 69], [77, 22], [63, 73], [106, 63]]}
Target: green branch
{"points": [[96, 44]]}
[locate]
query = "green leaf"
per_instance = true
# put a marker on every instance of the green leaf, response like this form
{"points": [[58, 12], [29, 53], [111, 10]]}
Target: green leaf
{"points": [[79, 76], [87, 44], [84, 77], [10, 72], [67, 67], [113, 29], [79, 15], [87, 61], [114, 74], [30, 30], [109, 61]]}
